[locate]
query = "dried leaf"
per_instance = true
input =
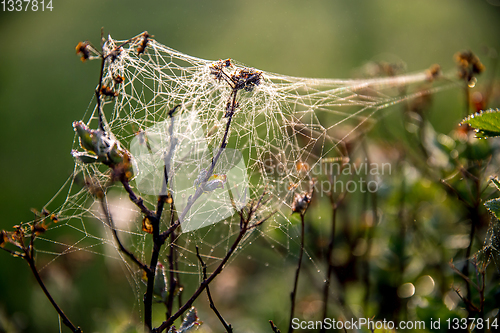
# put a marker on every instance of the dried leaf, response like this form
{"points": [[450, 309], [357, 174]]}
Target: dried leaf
{"points": [[147, 226], [190, 321]]}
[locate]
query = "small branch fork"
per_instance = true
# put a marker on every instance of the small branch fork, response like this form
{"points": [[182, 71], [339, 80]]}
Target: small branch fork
{"points": [[17, 238], [471, 307], [246, 216]]}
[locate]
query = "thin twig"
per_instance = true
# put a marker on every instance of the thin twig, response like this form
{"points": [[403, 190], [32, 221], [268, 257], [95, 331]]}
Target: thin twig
{"points": [[111, 225], [294, 292], [326, 289], [137, 200], [273, 327], [466, 278], [98, 96], [28, 256], [227, 326]]}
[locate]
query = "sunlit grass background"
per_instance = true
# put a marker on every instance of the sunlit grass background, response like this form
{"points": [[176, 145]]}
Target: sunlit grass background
{"points": [[44, 87]]}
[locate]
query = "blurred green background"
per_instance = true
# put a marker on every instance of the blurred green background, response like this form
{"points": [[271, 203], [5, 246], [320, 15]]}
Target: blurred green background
{"points": [[44, 87]]}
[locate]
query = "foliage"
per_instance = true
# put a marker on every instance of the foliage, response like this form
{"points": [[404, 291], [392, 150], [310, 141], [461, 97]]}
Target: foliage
{"points": [[486, 123]]}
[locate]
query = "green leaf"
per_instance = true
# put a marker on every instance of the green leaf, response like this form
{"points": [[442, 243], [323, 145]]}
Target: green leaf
{"points": [[496, 182], [493, 206], [486, 123]]}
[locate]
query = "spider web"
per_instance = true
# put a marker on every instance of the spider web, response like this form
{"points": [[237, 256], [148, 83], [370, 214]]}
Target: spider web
{"points": [[279, 132]]}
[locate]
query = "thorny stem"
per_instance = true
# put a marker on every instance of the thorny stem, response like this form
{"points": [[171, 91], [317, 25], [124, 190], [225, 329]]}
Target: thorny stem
{"points": [[227, 326], [294, 292]]}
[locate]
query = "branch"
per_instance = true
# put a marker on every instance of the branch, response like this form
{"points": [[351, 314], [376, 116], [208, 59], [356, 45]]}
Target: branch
{"points": [[466, 278], [273, 327], [29, 257], [227, 326], [129, 254], [61, 313], [136, 200], [98, 95], [158, 241]]}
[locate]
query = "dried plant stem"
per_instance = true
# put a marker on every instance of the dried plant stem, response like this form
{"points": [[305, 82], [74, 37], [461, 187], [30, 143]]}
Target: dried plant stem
{"points": [[227, 326], [122, 248], [151, 272], [466, 278], [29, 257], [297, 272], [166, 324], [98, 95], [273, 327], [172, 279], [158, 241], [136, 200]]}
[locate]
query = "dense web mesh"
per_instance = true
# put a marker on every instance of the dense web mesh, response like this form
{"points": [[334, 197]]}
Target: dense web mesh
{"points": [[281, 130]]}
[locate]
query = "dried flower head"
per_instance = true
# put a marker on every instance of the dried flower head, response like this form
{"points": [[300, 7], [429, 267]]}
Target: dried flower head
{"points": [[468, 65], [83, 48]]}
